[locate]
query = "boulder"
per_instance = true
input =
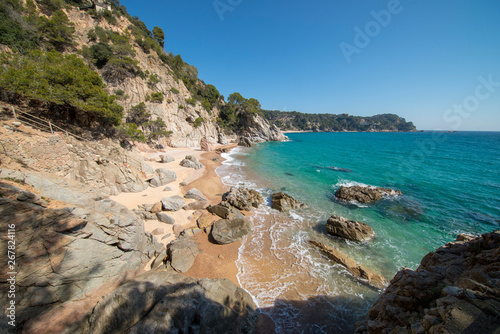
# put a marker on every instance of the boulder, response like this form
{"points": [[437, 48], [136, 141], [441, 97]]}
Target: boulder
{"points": [[157, 207], [205, 145], [351, 265], [225, 211], [181, 254], [165, 158], [349, 229], [205, 220], [243, 198], [172, 203], [162, 177], [195, 194], [198, 205], [226, 231], [166, 302], [158, 231], [222, 139], [164, 218], [191, 162], [284, 202], [364, 194], [245, 142]]}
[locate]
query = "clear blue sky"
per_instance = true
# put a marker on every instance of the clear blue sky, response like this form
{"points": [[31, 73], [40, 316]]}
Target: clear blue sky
{"points": [[424, 59]]}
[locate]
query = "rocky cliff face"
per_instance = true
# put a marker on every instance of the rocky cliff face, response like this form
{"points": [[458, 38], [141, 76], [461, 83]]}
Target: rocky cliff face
{"points": [[456, 289], [258, 130], [178, 114]]}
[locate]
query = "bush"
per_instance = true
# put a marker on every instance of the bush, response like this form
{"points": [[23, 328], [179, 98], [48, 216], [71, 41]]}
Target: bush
{"points": [[206, 105], [101, 53], [198, 122], [174, 90], [191, 101], [153, 79], [181, 106], [64, 80], [157, 97]]}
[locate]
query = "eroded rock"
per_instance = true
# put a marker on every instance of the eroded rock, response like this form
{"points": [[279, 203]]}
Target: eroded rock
{"points": [[243, 198], [284, 202], [349, 229], [364, 194], [226, 231]]}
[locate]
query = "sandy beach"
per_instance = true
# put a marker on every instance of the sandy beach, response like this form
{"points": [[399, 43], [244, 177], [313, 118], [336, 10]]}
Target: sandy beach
{"points": [[214, 261]]}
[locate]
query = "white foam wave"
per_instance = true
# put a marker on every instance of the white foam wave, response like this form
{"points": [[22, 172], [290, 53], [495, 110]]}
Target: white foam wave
{"points": [[349, 183]]}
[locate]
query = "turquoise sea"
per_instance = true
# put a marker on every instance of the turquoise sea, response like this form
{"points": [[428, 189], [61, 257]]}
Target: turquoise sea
{"points": [[450, 184]]}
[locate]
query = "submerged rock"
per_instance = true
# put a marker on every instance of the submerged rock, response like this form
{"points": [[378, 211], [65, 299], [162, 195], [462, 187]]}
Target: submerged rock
{"points": [[226, 231], [364, 194], [284, 202], [352, 266], [349, 229], [243, 198], [165, 302], [454, 290]]}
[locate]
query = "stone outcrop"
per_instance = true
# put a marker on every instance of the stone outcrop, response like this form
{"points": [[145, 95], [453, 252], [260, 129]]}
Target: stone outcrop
{"points": [[191, 162], [63, 255], [205, 145], [225, 211], [366, 275], [165, 218], [226, 231], [349, 229], [454, 290], [222, 139], [257, 130], [162, 177], [165, 158], [364, 194], [163, 302], [243, 198], [195, 194], [181, 254], [284, 202]]}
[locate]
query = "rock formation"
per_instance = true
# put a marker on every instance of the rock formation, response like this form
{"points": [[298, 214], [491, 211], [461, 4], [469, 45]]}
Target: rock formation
{"points": [[349, 229], [455, 289], [364, 194], [226, 231], [205, 145], [163, 302], [172, 203], [195, 194], [352, 266], [224, 210], [191, 162], [284, 202], [257, 130], [243, 198], [181, 254]]}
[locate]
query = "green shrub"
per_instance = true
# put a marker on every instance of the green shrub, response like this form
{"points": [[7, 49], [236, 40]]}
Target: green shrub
{"points": [[206, 105], [157, 97], [119, 92], [57, 30], [153, 79], [101, 53], [174, 90], [181, 106], [191, 101], [57, 78], [198, 122]]}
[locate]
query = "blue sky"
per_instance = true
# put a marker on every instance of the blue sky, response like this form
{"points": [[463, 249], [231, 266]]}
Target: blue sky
{"points": [[436, 63]]}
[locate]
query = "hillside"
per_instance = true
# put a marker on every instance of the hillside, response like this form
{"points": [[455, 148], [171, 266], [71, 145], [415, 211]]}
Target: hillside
{"points": [[142, 92], [297, 121]]}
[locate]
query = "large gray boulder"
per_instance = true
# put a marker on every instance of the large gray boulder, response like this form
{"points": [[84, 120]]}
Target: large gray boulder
{"points": [[172, 203], [225, 211], [162, 177], [164, 302], [195, 194], [243, 198], [181, 254], [349, 229], [164, 218], [222, 139], [226, 231], [165, 158], [364, 194], [284, 202], [191, 162]]}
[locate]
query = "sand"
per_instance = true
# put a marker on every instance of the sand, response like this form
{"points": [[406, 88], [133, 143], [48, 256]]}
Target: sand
{"points": [[214, 261]]}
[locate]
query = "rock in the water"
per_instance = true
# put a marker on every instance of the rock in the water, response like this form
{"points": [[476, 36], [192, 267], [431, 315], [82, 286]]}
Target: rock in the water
{"points": [[164, 218], [164, 302], [195, 194], [181, 254], [454, 290], [364, 194], [191, 162], [165, 158], [243, 198], [349, 229], [157, 207], [222, 139], [226, 212], [226, 231], [284, 202], [351, 265], [162, 177], [172, 203], [205, 145]]}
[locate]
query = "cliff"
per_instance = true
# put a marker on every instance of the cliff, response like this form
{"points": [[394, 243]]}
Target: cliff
{"points": [[454, 290]]}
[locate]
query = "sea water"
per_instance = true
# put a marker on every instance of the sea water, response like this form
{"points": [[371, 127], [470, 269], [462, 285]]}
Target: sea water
{"points": [[450, 184]]}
